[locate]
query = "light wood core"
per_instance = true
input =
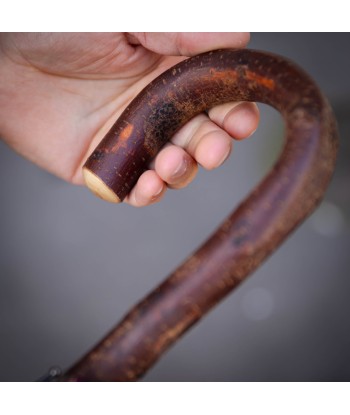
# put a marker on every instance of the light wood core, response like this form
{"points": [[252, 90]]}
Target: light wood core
{"points": [[98, 187]]}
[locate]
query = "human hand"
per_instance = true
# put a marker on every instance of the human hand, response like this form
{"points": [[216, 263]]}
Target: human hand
{"points": [[61, 92]]}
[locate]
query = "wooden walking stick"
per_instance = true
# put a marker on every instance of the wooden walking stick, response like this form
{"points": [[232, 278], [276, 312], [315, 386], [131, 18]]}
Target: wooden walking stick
{"points": [[288, 194]]}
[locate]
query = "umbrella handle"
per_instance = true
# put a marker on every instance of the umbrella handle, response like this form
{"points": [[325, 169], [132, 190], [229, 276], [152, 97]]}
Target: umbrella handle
{"points": [[286, 196]]}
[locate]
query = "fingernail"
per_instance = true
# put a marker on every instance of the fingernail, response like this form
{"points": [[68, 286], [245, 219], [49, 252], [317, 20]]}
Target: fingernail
{"points": [[157, 193], [226, 156], [181, 169], [251, 133]]}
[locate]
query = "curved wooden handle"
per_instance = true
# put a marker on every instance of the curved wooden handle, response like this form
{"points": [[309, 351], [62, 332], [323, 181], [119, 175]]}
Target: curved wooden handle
{"points": [[288, 194]]}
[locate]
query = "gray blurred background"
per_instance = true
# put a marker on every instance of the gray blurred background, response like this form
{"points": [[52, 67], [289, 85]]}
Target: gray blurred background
{"points": [[72, 265]]}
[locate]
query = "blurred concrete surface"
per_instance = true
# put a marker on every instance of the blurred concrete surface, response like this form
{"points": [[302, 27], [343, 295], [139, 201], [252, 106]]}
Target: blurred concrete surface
{"points": [[71, 265]]}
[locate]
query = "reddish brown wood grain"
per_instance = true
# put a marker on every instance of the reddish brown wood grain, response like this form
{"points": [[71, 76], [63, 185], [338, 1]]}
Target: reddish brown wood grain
{"points": [[289, 193]]}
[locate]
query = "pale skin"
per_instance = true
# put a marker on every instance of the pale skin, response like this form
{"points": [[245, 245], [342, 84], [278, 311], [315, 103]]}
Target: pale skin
{"points": [[61, 92]]}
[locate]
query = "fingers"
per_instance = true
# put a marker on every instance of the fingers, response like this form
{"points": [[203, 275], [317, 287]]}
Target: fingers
{"points": [[203, 140], [209, 141], [188, 44], [149, 189], [174, 168], [240, 120]]}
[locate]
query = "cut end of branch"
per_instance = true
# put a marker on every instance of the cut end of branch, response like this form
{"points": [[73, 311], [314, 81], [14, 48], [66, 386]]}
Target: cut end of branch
{"points": [[98, 187]]}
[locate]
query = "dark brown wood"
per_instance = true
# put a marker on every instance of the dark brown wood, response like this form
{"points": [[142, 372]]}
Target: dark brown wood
{"points": [[289, 193]]}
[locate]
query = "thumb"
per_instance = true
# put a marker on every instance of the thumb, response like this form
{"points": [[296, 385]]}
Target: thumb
{"points": [[187, 44]]}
